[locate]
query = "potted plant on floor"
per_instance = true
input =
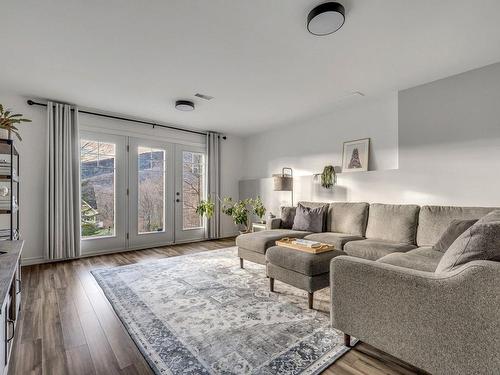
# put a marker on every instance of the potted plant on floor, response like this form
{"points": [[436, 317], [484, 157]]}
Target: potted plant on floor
{"points": [[239, 211], [8, 120], [258, 209], [206, 208]]}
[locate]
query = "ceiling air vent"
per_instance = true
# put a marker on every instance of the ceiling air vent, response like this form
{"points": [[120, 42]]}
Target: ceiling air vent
{"points": [[203, 96]]}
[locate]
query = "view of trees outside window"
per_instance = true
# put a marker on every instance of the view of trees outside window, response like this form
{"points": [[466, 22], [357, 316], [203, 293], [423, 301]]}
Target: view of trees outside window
{"points": [[97, 164], [192, 188], [151, 180]]}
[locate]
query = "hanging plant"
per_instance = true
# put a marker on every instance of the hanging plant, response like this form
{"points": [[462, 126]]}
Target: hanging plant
{"points": [[328, 177]]}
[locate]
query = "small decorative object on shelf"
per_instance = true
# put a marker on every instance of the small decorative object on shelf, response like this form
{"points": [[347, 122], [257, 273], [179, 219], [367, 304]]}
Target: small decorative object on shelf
{"points": [[284, 180], [257, 227], [355, 155], [9, 190]]}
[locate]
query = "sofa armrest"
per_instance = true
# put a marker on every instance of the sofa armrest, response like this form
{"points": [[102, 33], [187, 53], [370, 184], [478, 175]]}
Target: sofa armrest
{"points": [[274, 223], [443, 323]]}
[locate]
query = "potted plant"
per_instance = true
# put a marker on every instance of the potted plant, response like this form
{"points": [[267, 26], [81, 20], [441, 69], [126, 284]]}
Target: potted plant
{"points": [[8, 120], [206, 208], [259, 209], [239, 211]]}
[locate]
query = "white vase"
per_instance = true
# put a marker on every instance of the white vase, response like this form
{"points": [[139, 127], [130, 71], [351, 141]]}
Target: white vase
{"points": [[4, 134]]}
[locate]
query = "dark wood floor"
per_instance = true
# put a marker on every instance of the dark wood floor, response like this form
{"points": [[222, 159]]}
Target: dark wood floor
{"points": [[67, 326]]}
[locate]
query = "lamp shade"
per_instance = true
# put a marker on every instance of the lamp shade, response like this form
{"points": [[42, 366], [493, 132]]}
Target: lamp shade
{"points": [[283, 183]]}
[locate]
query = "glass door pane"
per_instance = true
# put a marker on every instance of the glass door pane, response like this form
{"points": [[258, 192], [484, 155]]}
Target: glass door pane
{"points": [[150, 193], [97, 184], [190, 190], [151, 196], [102, 192]]}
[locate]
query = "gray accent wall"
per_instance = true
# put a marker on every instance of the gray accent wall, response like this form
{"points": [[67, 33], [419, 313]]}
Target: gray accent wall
{"points": [[447, 148]]}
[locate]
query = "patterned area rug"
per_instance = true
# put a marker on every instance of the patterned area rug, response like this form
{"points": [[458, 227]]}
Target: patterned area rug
{"points": [[202, 314]]}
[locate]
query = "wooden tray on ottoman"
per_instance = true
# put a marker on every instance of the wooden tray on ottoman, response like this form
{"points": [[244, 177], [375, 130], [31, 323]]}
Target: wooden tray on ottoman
{"points": [[287, 242]]}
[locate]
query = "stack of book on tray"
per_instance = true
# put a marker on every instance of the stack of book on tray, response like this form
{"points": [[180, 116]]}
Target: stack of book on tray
{"points": [[306, 243], [5, 234], [5, 169], [5, 203]]}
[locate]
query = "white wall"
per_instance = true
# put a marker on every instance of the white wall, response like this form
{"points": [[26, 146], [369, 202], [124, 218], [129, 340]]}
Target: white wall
{"points": [[33, 156], [32, 152], [308, 146], [448, 148]]}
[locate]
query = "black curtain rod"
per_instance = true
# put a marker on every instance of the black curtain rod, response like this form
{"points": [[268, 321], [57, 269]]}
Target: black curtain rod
{"points": [[31, 102]]}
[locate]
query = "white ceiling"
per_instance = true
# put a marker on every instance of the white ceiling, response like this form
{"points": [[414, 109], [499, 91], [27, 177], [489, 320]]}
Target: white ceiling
{"points": [[255, 57]]}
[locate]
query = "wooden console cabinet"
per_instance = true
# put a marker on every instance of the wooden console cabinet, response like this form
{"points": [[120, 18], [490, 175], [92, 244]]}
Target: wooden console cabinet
{"points": [[10, 295]]}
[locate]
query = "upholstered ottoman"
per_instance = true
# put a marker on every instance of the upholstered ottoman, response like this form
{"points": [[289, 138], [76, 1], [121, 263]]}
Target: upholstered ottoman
{"points": [[309, 272], [253, 246]]}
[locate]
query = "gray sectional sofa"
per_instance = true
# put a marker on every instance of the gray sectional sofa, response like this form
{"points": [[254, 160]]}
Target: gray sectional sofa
{"points": [[359, 229], [384, 290]]}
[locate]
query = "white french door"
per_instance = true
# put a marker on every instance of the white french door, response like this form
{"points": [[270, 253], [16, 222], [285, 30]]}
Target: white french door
{"points": [[151, 186], [139, 193], [190, 187], [103, 192]]}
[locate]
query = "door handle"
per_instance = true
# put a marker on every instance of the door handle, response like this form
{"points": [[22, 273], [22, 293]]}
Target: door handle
{"points": [[10, 321], [177, 200]]}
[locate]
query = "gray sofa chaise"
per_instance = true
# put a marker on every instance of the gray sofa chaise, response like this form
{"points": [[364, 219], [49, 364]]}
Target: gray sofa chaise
{"points": [[444, 323]]}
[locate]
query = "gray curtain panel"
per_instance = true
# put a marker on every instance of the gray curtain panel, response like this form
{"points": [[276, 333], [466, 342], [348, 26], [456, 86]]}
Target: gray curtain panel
{"points": [[63, 183], [213, 182]]}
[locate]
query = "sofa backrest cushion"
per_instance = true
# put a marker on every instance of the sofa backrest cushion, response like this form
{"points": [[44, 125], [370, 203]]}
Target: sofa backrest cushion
{"points": [[287, 217], [309, 219], [393, 222], [349, 218], [433, 220], [480, 242], [316, 205], [454, 230]]}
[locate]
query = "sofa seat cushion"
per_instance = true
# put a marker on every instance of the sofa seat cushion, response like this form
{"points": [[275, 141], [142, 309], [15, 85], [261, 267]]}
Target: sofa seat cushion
{"points": [[300, 261], [375, 249], [261, 241], [421, 259], [336, 239]]}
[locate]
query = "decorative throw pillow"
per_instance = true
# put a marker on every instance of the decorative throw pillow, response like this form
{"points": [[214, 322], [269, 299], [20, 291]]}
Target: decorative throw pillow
{"points": [[480, 242], [454, 230], [287, 217], [309, 219]]}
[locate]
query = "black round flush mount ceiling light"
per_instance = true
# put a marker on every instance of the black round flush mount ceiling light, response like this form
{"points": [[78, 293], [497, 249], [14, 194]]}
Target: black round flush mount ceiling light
{"points": [[184, 105], [326, 18]]}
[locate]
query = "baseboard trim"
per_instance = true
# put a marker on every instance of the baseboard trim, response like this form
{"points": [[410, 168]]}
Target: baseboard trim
{"points": [[41, 260], [32, 260]]}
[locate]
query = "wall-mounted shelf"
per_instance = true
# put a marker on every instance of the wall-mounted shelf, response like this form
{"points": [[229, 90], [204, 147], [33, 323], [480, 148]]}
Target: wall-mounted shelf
{"points": [[9, 177]]}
